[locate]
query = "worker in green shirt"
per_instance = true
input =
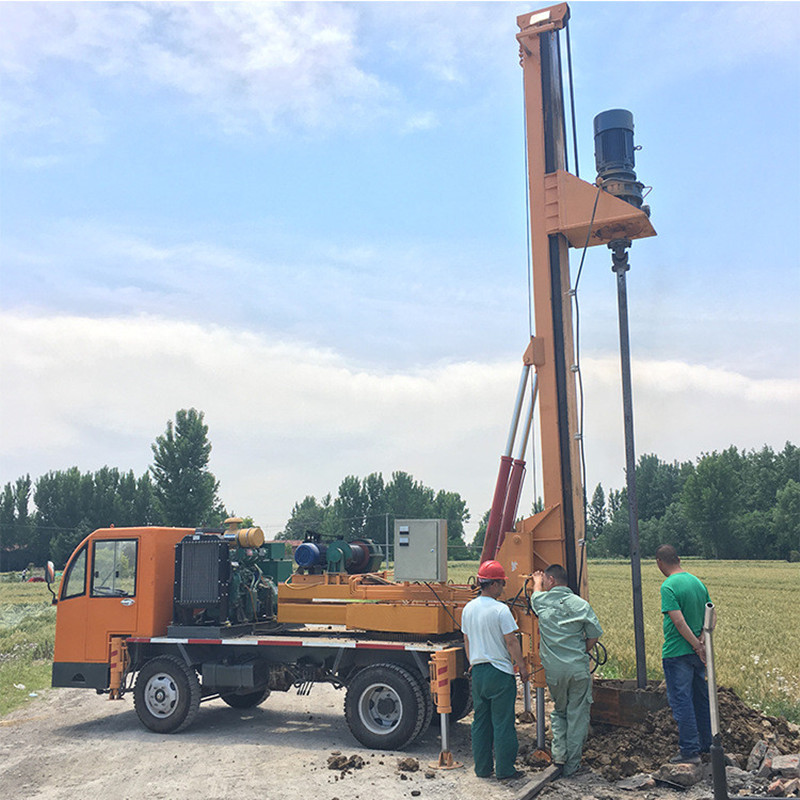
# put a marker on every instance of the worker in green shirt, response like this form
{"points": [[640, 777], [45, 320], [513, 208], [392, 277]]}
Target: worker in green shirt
{"points": [[683, 655], [568, 630]]}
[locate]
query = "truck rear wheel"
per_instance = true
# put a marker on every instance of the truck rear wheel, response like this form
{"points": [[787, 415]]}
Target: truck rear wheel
{"points": [[167, 695], [384, 707], [249, 700]]}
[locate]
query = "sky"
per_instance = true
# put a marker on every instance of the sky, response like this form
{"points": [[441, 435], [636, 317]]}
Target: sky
{"points": [[308, 220]]}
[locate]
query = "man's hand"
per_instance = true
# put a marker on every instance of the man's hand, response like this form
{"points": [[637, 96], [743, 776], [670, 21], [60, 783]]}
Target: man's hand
{"points": [[538, 580], [698, 645], [524, 675], [700, 649]]}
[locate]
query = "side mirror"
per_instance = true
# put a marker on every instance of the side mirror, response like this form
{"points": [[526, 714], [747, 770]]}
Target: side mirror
{"points": [[50, 578]]}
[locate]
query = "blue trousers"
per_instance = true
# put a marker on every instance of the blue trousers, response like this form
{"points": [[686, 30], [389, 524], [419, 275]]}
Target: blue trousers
{"points": [[687, 692]]}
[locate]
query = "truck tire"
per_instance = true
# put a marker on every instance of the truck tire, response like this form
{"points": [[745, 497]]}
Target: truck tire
{"points": [[167, 694], [460, 698], [249, 700], [384, 707]]}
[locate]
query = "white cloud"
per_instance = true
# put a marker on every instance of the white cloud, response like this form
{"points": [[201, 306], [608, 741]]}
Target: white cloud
{"points": [[296, 64], [287, 420], [421, 122]]}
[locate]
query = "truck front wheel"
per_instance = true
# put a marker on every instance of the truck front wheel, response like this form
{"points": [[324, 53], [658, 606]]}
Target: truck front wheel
{"points": [[167, 695], [384, 707]]}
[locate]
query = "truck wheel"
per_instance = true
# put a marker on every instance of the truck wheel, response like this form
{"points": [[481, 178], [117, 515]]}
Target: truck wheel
{"points": [[384, 707], [460, 698], [167, 694], [250, 700]]}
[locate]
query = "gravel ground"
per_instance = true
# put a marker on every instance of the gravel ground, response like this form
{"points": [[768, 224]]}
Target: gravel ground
{"points": [[72, 743]]}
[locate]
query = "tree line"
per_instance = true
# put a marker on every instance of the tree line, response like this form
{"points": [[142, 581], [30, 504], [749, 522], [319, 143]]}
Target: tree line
{"points": [[367, 508], [729, 504], [733, 504], [177, 490]]}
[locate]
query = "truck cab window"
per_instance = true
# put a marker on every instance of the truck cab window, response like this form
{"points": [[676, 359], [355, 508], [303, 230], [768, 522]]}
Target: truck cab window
{"points": [[114, 568], [75, 583]]}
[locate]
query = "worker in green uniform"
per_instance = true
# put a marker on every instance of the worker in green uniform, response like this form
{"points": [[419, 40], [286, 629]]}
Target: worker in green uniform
{"points": [[568, 630], [493, 650], [683, 655]]}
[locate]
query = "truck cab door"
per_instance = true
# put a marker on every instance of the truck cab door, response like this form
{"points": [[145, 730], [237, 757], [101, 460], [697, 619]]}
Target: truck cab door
{"points": [[112, 609]]}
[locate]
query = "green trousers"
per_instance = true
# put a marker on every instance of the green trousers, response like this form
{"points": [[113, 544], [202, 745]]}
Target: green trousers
{"points": [[494, 737], [569, 722]]}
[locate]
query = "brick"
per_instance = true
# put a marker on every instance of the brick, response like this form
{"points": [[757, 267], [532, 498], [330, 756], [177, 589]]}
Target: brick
{"points": [[786, 766], [756, 755]]}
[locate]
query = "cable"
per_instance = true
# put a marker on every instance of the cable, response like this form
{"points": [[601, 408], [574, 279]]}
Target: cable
{"points": [[527, 211], [529, 269], [574, 294], [513, 602], [442, 603], [572, 102], [598, 656]]}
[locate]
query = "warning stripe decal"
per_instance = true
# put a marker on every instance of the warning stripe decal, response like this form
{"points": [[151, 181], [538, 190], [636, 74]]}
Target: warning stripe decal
{"points": [[349, 645]]}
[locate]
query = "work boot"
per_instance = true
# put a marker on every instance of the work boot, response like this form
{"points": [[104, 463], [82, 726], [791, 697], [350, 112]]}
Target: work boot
{"points": [[682, 759]]}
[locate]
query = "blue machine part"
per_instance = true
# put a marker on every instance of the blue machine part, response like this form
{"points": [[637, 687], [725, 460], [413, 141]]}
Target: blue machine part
{"points": [[310, 554]]}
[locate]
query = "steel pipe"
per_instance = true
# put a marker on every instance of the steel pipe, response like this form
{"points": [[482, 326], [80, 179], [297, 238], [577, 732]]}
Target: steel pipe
{"points": [[717, 752], [540, 743], [620, 266]]}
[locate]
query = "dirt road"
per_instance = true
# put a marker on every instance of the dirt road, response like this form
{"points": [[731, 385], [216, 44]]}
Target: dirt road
{"points": [[71, 744]]}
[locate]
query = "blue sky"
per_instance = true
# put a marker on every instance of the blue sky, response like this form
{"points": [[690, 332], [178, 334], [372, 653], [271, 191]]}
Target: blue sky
{"points": [[308, 220]]}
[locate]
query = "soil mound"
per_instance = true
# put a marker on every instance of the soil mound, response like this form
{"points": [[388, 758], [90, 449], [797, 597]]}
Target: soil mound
{"points": [[617, 752]]}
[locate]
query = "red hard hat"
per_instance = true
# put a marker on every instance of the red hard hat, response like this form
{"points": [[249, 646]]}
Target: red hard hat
{"points": [[491, 571]]}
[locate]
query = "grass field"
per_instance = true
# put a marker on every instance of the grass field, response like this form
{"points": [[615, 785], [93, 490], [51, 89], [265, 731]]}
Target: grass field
{"points": [[27, 633], [756, 642], [757, 639]]}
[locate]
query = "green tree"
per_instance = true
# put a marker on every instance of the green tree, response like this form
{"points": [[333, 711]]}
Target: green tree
{"points": [[407, 498], [307, 515], [350, 507], [377, 508], [752, 536], [480, 534], [657, 485], [186, 492], [786, 519], [710, 497], [616, 537], [17, 535], [451, 506], [596, 521], [63, 500]]}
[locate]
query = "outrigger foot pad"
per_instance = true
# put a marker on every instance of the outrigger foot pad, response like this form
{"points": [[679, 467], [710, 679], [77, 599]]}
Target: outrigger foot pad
{"points": [[446, 761]]}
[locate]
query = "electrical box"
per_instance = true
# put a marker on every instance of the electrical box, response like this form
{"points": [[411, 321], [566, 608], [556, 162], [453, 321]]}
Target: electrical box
{"points": [[420, 550]]}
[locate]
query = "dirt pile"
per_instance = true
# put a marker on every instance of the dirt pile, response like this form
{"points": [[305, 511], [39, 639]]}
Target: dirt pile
{"points": [[617, 752]]}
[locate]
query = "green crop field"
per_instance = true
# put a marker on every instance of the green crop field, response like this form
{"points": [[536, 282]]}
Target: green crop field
{"points": [[27, 633], [756, 642]]}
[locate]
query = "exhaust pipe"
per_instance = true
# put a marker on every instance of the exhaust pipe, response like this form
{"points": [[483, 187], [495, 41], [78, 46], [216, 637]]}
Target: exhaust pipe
{"points": [[717, 752]]}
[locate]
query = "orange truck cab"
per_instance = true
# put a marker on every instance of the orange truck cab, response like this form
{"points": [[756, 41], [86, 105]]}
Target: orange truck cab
{"points": [[118, 583]]}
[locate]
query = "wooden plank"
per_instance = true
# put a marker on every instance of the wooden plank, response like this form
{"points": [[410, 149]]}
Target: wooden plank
{"points": [[533, 787]]}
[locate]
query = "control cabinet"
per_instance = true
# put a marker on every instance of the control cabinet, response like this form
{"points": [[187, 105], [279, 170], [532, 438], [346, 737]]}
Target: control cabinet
{"points": [[420, 550]]}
